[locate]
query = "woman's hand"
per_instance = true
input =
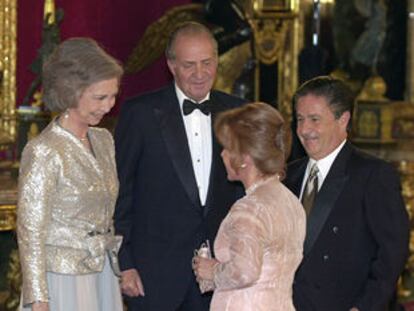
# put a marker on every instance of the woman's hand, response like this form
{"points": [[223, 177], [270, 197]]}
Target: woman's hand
{"points": [[204, 268], [40, 306]]}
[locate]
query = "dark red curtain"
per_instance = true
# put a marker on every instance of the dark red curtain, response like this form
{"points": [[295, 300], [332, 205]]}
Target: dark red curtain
{"points": [[116, 24]]}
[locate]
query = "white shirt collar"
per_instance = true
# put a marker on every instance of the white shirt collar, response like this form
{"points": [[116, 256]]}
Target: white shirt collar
{"points": [[324, 164]]}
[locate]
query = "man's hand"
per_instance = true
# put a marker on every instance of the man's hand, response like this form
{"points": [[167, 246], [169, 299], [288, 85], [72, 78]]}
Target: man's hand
{"points": [[40, 306], [131, 284]]}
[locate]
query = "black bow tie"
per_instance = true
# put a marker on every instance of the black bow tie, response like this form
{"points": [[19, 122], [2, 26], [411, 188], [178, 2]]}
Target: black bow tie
{"points": [[189, 106]]}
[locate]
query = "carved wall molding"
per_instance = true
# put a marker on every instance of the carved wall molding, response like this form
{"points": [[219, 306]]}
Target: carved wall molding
{"points": [[8, 36]]}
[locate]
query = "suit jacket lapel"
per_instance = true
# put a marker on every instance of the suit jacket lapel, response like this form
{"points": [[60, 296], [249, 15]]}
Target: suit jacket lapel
{"points": [[173, 131], [294, 180], [326, 197]]}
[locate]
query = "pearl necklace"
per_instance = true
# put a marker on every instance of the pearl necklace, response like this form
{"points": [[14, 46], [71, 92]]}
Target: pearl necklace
{"points": [[66, 116]]}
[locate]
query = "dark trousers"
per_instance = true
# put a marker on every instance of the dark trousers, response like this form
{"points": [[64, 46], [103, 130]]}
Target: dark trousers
{"points": [[193, 301]]}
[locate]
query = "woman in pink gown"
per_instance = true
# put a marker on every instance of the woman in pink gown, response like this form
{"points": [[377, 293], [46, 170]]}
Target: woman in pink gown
{"points": [[260, 242]]}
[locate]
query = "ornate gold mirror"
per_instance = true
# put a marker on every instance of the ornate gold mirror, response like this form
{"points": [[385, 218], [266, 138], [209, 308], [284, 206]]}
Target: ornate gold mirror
{"points": [[8, 35]]}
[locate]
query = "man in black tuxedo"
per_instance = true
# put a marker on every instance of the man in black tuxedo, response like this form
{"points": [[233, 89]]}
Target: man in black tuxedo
{"points": [[357, 231], [173, 187]]}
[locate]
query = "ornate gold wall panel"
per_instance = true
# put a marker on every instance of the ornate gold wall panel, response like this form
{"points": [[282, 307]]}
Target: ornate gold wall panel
{"points": [[277, 35], [288, 68], [7, 217], [8, 36]]}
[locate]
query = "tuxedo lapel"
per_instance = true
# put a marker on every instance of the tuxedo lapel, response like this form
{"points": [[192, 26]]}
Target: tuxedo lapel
{"points": [[326, 197], [216, 166], [215, 169], [173, 132]]}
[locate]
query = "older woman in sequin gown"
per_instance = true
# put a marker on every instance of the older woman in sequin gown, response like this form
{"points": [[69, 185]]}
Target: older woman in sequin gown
{"points": [[68, 186], [259, 244]]}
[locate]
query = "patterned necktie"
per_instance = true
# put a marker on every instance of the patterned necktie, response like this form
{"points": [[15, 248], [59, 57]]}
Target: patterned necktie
{"points": [[311, 188], [189, 106]]}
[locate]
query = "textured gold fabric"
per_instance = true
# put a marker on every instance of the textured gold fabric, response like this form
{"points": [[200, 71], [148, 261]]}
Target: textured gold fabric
{"points": [[65, 205], [259, 246]]}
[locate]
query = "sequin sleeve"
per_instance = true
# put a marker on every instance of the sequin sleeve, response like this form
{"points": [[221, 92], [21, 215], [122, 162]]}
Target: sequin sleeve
{"points": [[245, 234], [37, 181]]}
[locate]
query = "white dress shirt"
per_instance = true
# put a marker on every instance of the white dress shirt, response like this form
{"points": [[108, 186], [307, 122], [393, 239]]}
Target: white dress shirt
{"points": [[198, 130], [324, 165]]}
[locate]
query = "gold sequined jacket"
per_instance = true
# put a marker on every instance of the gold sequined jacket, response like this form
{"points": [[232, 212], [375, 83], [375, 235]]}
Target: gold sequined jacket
{"points": [[65, 205]]}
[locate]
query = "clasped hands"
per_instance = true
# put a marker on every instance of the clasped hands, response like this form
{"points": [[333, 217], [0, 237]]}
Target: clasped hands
{"points": [[204, 268]]}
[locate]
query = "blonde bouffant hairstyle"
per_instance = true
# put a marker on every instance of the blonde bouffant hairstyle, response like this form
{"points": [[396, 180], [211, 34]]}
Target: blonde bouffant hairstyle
{"points": [[255, 129]]}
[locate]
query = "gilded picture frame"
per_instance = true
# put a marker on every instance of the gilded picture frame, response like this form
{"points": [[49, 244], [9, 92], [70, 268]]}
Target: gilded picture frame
{"points": [[8, 37]]}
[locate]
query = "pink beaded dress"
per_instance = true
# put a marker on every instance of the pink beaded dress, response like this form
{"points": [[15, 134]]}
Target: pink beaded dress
{"points": [[259, 246]]}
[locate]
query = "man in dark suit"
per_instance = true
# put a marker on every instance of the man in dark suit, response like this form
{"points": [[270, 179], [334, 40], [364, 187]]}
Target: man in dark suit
{"points": [[173, 186], [357, 231]]}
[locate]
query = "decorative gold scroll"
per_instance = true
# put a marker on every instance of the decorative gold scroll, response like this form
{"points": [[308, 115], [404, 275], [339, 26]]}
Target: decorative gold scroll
{"points": [[8, 35]]}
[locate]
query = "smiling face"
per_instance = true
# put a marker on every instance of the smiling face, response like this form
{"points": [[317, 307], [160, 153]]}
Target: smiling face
{"points": [[195, 65], [318, 130], [96, 101]]}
